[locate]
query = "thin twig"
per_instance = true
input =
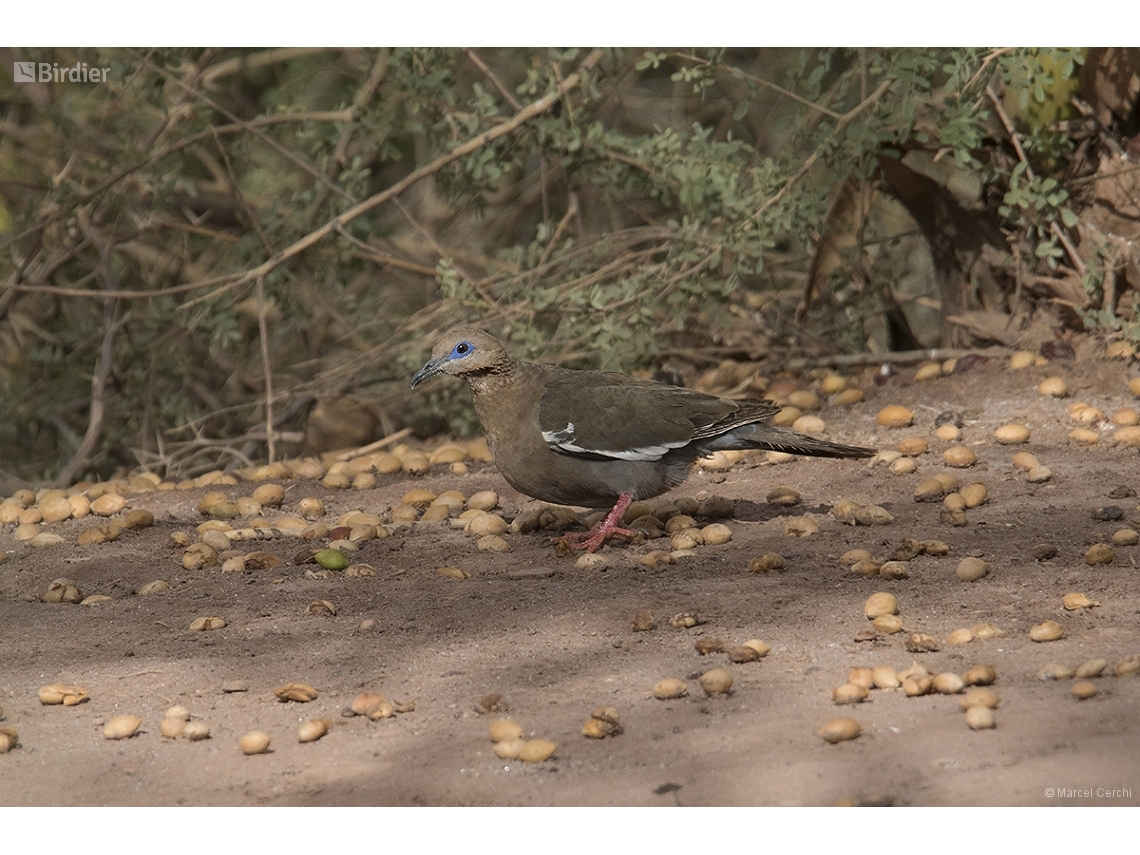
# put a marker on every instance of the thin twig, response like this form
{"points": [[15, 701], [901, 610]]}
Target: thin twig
{"points": [[844, 120], [377, 256], [495, 81], [1057, 231], [267, 368], [363, 95], [736, 72], [297, 161], [571, 213], [535, 108], [155, 156], [391, 439], [105, 362]]}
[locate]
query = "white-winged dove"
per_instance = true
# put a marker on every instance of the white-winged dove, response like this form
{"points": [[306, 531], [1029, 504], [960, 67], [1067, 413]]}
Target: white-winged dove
{"points": [[598, 439]]}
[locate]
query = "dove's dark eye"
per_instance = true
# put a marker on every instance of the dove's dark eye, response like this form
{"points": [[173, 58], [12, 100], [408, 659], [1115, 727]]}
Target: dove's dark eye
{"points": [[462, 349]]}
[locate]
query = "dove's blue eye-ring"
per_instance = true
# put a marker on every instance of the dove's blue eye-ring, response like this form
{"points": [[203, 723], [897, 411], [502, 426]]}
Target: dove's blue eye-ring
{"points": [[464, 348]]}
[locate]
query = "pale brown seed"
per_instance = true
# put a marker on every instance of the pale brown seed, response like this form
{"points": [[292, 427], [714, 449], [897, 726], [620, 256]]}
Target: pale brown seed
{"points": [[254, 742], [840, 730]]}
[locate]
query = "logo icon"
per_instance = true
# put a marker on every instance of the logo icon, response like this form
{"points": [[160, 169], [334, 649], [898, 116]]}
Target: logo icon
{"points": [[24, 72]]}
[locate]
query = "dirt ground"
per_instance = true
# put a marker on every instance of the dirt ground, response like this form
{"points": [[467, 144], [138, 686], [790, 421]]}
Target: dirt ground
{"points": [[556, 641]]}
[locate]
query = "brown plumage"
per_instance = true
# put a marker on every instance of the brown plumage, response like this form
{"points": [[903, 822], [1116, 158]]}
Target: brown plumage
{"points": [[598, 439]]}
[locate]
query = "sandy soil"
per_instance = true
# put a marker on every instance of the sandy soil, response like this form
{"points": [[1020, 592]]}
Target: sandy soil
{"points": [[556, 641]]}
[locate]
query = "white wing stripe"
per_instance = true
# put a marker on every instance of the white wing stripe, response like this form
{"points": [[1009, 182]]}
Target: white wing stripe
{"points": [[564, 439]]}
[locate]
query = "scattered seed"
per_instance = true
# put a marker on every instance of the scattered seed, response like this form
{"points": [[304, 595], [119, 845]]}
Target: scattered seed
{"points": [[980, 718], [686, 620], [504, 730], [716, 533], [688, 538], [959, 636], [1083, 691], [610, 716], [885, 677], [913, 670], [716, 681], [596, 728], [935, 548], [60, 693], [1012, 434], [949, 482], [453, 572], [670, 688], [762, 648], [954, 502], [887, 624], [321, 608], [313, 729], [784, 496], [947, 683], [948, 433], [492, 543], [1025, 461], [108, 504], [894, 570], [766, 562], [205, 624], [158, 586], [800, 527], [1048, 630], [1022, 359], [852, 556], [894, 416], [744, 653], [122, 727], [873, 515], [1055, 671], [1084, 436], [171, 727], [880, 603], [840, 730], [980, 675], [195, 731], [912, 446], [916, 686], [300, 692], [1090, 668], [971, 569], [1126, 537], [861, 676], [1130, 664], [930, 490], [537, 750], [1074, 601], [979, 696], [848, 397], [643, 621], [254, 742], [509, 749], [707, 644], [486, 524], [959, 457], [920, 642], [62, 591], [866, 567], [849, 693], [1054, 387], [1099, 553], [974, 494]]}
